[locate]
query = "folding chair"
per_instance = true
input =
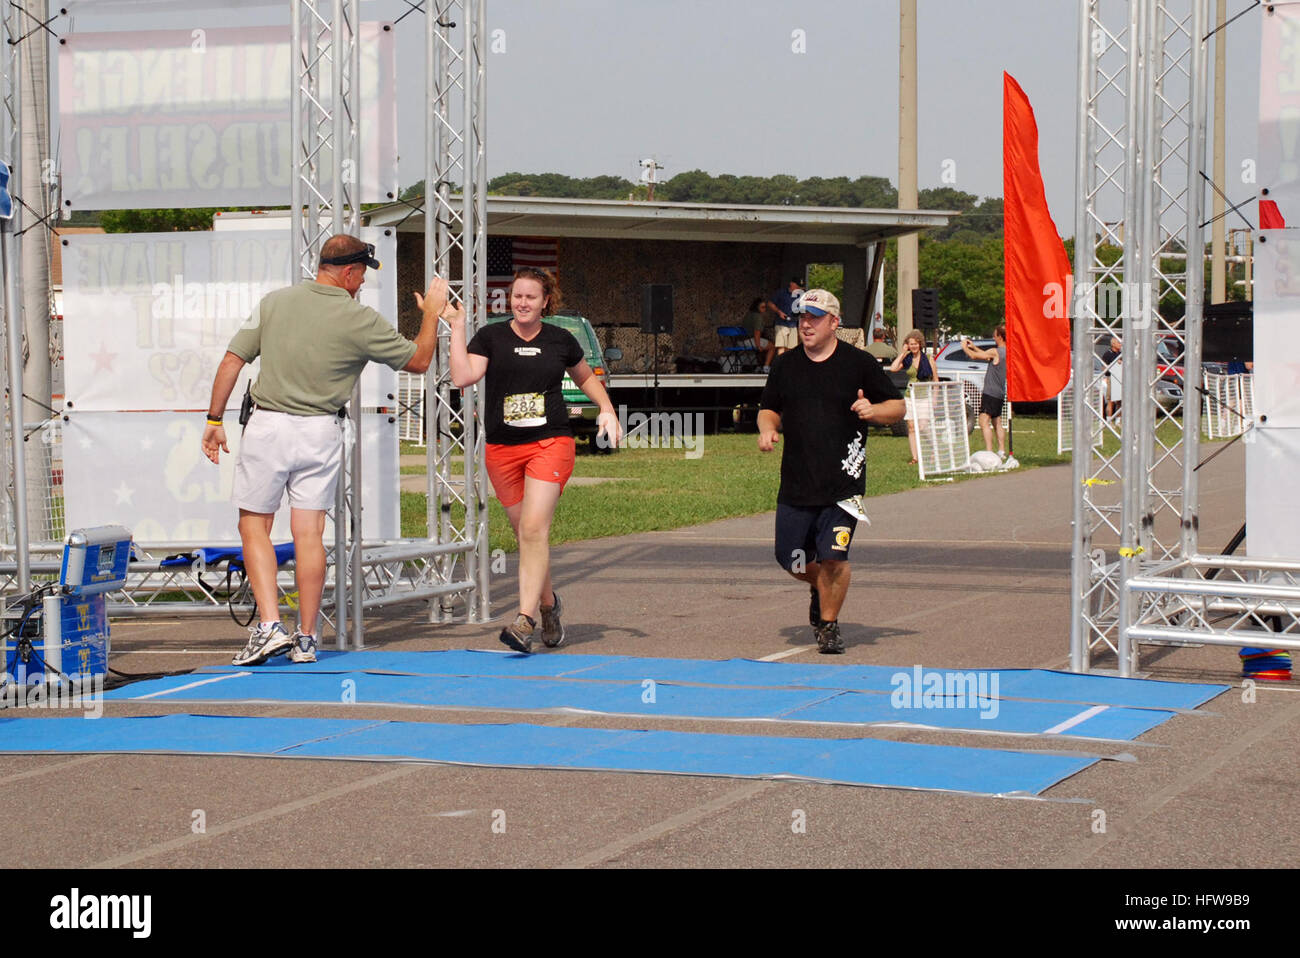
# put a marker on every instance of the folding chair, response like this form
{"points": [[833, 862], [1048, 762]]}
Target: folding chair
{"points": [[738, 352], [238, 592]]}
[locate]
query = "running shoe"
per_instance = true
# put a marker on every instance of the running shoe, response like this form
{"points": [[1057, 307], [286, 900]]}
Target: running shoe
{"points": [[828, 639], [263, 644], [552, 627], [519, 634], [304, 648], [814, 607]]}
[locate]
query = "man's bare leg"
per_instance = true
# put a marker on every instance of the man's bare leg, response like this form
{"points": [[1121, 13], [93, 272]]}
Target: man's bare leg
{"points": [[259, 562], [832, 587], [1000, 422], [831, 578], [986, 427], [308, 528]]}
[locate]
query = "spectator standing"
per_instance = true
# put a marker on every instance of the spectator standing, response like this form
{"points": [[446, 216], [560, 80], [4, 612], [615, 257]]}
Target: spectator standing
{"points": [[919, 368], [1114, 375], [783, 302], [995, 388], [881, 349]]}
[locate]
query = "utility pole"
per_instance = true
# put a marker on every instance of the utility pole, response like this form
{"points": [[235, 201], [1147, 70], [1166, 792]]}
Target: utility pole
{"points": [[648, 169], [908, 246]]}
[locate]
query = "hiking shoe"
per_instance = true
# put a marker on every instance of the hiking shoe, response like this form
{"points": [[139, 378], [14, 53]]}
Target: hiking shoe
{"points": [[519, 634], [304, 648], [814, 607], [552, 627], [263, 644], [828, 639]]}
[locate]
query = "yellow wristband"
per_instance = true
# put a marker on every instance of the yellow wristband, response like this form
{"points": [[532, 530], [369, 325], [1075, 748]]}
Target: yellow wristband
{"points": [[215, 422]]}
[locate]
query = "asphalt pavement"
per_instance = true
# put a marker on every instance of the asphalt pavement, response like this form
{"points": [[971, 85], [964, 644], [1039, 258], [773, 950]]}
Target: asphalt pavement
{"points": [[965, 575]]}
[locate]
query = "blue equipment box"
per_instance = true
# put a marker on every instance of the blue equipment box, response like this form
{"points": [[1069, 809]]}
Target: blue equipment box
{"points": [[75, 641], [76, 635], [95, 560]]}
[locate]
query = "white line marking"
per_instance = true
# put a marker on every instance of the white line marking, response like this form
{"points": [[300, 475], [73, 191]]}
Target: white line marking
{"points": [[191, 685], [777, 656], [1077, 720]]}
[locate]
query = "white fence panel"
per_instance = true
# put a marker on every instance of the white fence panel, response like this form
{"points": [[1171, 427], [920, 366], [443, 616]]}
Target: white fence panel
{"points": [[938, 412]]}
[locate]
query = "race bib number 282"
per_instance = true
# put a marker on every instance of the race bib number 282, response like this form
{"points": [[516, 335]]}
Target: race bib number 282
{"points": [[525, 409]]}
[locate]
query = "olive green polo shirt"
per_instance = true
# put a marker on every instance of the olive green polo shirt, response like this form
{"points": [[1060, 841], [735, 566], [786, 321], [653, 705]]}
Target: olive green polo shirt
{"points": [[314, 341]]}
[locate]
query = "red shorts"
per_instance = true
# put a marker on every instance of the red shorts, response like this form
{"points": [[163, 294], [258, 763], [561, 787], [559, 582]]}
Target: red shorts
{"points": [[550, 460]]}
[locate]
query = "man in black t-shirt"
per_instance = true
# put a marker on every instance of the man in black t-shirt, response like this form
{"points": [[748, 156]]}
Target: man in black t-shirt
{"points": [[823, 395]]}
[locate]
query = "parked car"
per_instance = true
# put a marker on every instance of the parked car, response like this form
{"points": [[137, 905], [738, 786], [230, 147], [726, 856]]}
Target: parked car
{"points": [[582, 411], [953, 363]]}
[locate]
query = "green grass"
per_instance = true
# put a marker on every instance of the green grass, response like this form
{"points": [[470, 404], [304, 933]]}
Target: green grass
{"points": [[665, 490]]}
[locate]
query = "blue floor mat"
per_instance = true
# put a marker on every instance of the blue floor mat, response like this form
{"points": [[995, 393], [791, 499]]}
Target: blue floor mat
{"points": [[1013, 683], [840, 761], [634, 699]]}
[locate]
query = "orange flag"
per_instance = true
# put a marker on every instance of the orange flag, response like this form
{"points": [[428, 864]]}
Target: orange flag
{"points": [[1038, 286], [1270, 217]]}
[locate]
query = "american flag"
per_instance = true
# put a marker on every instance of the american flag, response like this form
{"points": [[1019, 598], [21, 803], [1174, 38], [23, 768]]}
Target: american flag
{"points": [[505, 254]]}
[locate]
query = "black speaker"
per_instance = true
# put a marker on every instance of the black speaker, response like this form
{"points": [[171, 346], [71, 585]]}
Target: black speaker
{"points": [[1228, 332], [657, 308], [925, 309]]}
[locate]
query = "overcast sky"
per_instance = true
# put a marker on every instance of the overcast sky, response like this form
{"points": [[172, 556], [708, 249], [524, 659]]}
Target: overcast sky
{"points": [[588, 87]]}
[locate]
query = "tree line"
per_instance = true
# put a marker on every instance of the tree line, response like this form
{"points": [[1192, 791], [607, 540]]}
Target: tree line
{"points": [[962, 260]]}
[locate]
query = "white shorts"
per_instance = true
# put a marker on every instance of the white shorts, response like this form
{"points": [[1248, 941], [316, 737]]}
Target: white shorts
{"points": [[919, 411], [787, 337], [302, 454]]}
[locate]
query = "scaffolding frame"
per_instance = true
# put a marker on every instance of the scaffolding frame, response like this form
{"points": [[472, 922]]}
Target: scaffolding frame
{"points": [[11, 267], [456, 31], [1141, 149], [327, 131], [325, 126]]}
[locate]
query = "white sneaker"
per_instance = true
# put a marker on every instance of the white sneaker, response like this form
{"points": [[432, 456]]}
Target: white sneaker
{"points": [[304, 648], [262, 644]]}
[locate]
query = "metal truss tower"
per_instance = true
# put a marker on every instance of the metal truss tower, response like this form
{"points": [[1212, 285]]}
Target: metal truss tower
{"points": [[324, 200], [11, 272], [1138, 274], [455, 247], [1138, 575]]}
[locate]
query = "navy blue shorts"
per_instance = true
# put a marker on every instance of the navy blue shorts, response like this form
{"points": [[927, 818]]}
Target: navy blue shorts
{"points": [[807, 534]]}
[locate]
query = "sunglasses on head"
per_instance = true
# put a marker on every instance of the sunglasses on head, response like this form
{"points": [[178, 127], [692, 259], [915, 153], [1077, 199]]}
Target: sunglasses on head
{"points": [[365, 255]]}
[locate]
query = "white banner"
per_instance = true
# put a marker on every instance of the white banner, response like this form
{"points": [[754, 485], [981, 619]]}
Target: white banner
{"points": [[1272, 484], [1277, 351], [148, 316], [145, 471], [1279, 113], [201, 117]]}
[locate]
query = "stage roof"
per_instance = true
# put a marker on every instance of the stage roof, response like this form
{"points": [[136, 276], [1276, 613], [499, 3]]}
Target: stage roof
{"points": [[625, 219]]}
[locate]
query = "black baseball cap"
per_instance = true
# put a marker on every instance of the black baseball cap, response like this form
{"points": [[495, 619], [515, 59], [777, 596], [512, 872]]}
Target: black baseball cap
{"points": [[365, 255]]}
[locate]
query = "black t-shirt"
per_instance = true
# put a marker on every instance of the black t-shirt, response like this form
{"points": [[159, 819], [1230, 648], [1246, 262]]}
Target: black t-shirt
{"points": [[824, 455], [524, 400]]}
